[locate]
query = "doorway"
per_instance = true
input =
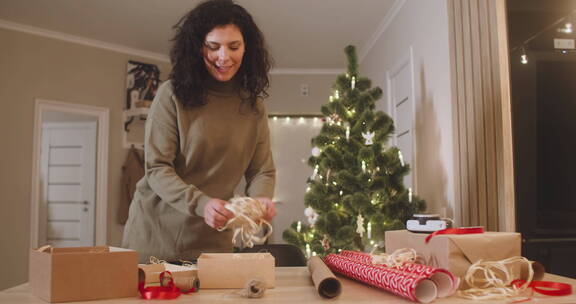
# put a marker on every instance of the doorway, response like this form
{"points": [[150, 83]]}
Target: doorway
{"points": [[69, 178]]}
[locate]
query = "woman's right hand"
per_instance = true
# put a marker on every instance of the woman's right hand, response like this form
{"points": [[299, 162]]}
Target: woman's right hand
{"points": [[215, 213]]}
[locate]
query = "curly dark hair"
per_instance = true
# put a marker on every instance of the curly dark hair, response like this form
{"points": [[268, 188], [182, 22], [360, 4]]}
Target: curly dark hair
{"points": [[189, 75]]}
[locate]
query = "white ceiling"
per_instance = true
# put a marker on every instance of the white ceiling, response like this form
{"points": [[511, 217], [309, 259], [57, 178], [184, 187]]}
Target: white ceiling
{"points": [[301, 34]]}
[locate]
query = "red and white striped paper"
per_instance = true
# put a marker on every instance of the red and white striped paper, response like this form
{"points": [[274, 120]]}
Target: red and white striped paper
{"points": [[407, 285], [446, 282]]}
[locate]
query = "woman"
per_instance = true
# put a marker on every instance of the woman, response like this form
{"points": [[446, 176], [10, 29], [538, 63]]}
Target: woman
{"points": [[207, 128]]}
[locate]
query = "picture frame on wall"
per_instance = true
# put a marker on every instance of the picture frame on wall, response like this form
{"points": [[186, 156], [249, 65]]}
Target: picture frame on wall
{"points": [[142, 81]]}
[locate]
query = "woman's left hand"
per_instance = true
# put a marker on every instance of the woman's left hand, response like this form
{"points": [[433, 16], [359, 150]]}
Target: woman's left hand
{"points": [[270, 207]]}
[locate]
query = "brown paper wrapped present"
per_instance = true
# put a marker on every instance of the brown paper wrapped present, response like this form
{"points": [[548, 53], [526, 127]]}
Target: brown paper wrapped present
{"points": [[456, 252], [234, 270]]}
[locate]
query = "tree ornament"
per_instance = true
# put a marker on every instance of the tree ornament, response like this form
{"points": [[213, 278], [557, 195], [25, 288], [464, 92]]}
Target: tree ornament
{"points": [[353, 83], [334, 118], [316, 151], [369, 138], [360, 225], [311, 214], [325, 243], [315, 173]]}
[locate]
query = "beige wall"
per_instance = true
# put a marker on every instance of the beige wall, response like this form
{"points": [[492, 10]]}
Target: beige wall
{"points": [[37, 67], [424, 26], [285, 93]]}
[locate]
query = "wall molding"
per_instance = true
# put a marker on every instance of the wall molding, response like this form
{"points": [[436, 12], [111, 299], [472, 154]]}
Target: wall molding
{"points": [[382, 27], [303, 71], [4, 24], [82, 41]]}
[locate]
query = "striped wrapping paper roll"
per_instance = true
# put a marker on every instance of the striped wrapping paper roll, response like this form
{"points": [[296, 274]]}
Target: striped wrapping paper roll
{"points": [[407, 285], [446, 282]]}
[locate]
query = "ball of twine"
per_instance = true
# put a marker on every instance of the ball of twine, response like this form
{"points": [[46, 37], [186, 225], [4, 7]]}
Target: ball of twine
{"points": [[254, 288]]}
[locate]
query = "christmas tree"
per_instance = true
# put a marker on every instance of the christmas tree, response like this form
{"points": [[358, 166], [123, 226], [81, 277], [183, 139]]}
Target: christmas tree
{"points": [[356, 191]]}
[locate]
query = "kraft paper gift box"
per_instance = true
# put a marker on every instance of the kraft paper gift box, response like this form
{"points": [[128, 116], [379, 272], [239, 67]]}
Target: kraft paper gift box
{"points": [[233, 270], [83, 273], [456, 252]]}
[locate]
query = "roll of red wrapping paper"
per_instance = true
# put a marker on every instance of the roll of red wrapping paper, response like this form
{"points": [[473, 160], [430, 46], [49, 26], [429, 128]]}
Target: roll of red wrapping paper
{"points": [[446, 282], [407, 285]]}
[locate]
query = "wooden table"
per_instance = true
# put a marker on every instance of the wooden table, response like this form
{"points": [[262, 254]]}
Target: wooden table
{"points": [[293, 285]]}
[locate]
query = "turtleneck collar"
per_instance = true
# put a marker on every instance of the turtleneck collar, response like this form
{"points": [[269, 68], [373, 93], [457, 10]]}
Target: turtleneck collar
{"points": [[226, 88]]}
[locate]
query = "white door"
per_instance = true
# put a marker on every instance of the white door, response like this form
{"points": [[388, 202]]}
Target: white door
{"points": [[68, 170], [401, 97]]}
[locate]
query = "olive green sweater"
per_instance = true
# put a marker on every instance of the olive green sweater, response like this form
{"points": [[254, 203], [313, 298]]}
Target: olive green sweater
{"points": [[193, 154]]}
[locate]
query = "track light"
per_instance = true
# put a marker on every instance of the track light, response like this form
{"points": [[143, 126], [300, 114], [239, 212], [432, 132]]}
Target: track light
{"points": [[524, 57], [568, 27]]}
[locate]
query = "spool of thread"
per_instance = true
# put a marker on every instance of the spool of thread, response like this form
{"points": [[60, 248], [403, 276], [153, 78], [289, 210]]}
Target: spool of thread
{"points": [[254, 288]]}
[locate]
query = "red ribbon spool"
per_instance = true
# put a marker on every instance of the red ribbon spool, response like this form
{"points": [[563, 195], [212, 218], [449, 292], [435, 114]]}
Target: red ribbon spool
{"points": [[468, 230], [546, 287], [168, 292]]}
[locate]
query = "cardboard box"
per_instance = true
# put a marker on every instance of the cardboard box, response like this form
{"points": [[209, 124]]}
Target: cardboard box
{"points": [[233, 270], [456, 252], [83, 273]]}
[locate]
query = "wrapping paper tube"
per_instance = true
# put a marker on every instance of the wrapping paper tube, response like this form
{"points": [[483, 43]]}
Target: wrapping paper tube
{"points": [[150, 273], [325, 281], [445, 281], [404, 284]]}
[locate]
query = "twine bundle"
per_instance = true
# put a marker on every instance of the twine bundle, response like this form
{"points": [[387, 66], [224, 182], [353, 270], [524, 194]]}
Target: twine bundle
{"points": [[492, 280], [395, 259], [248, 220], [254, 288]]}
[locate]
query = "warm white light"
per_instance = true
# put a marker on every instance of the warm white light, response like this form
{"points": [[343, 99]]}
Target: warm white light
{"points": [[524, 59], [299, 226], [568, 28], [336, 94], [410, 195], [301, 120], [364, 166], [369, 230], [275, 118], [401, 158], [288, 119]]}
